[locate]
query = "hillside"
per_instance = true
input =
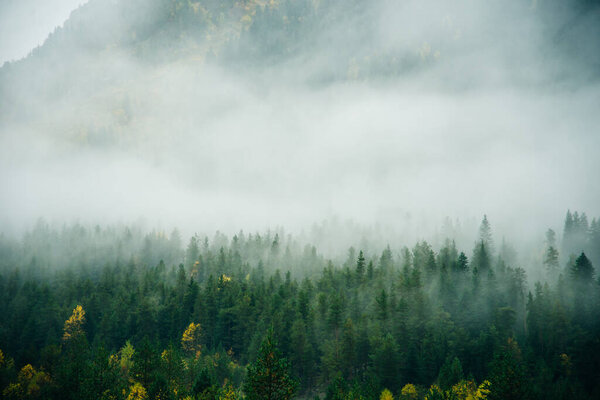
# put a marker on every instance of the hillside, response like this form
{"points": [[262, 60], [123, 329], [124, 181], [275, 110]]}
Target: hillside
{"points": [[312, 199]]}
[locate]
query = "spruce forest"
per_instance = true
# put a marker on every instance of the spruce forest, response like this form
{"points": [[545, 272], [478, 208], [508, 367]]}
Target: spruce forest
{"points": [[299, 199], [115, 313]]}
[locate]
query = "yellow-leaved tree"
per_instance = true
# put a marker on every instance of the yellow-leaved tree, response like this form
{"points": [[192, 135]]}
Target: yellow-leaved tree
{"points": [[74, 325], [137, 392], [409, 392], [386, 395], [435, 393], [190, 340], [123, 360], [29, 384], [227, 392], [468, 390]]}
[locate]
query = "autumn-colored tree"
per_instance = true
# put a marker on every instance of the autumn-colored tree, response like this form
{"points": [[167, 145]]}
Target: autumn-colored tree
{"points": [[386, 395], [137, 392], [468, 390], [124, 358], [30, 384], [190, 340], [435, 393], [74, 324], [227, 392], [409, 392]]}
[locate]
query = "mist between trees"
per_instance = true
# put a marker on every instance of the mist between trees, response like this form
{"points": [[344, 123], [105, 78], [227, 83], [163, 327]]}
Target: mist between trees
{"points": [[117, 312], [221, 114]]}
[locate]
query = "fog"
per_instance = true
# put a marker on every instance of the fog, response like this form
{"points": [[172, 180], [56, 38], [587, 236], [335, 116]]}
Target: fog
{"points": [[491, 108]]}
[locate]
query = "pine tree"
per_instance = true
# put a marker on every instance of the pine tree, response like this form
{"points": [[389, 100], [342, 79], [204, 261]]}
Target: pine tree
{"points": [[481, 258], [382, 305], [192, 252], [386, 260], [582, 271], [451, 373], [485, 234], [508, 376], [348, 349], [551, 259], [268, 378], [360, 266], [462, 263]]}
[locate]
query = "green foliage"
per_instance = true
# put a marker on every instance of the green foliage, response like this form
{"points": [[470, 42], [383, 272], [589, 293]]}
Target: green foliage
{"points": [[508, 374], [582, 271], [177, 331], [268, 378], [450, 373]]}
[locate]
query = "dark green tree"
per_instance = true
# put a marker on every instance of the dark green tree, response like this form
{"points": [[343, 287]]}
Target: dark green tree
{"points": [[462, 264], [481, 258], [269, 378], [451, 373], [582, 271], [360, 266], [508, 375]]}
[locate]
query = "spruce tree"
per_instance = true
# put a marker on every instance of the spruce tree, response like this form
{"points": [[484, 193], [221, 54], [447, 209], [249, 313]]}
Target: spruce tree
{"points": [[360, 266], [485, 234], [269, 376], [582, 271]]}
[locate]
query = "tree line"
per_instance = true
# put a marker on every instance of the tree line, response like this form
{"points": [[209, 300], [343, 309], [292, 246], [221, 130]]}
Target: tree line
{"points": [[115, 313]]}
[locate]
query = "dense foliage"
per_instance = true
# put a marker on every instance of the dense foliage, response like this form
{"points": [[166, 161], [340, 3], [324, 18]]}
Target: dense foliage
{"points": [[117, 314]]}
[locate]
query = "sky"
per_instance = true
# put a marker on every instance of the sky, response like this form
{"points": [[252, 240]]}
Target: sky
{"points": [[25, 24]]}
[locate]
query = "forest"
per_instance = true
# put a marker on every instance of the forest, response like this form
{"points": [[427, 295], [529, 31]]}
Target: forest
{"points": [[270, 115], [119, 313]]}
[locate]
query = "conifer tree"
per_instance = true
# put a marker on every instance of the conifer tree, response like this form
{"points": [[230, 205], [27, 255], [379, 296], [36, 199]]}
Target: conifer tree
{"points": [[269, 378], [462, 263], [451, 373], [508, 374], [485, 234], [551, 254], [360, 266], [481, 258], [582, 271], [74, 325]]}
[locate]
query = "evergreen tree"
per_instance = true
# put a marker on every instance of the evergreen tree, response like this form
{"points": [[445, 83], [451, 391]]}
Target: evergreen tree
{"points": [[508, 375], [582, 271], [192, 252], [481, 258], [462, 263], [485, 235], [268, 378], [386, 260], [451, 373], [360, 266], [551, 254]]}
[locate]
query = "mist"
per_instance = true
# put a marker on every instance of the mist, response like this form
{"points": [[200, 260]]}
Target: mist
{"points": [[487, 110], [365, 199]]}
